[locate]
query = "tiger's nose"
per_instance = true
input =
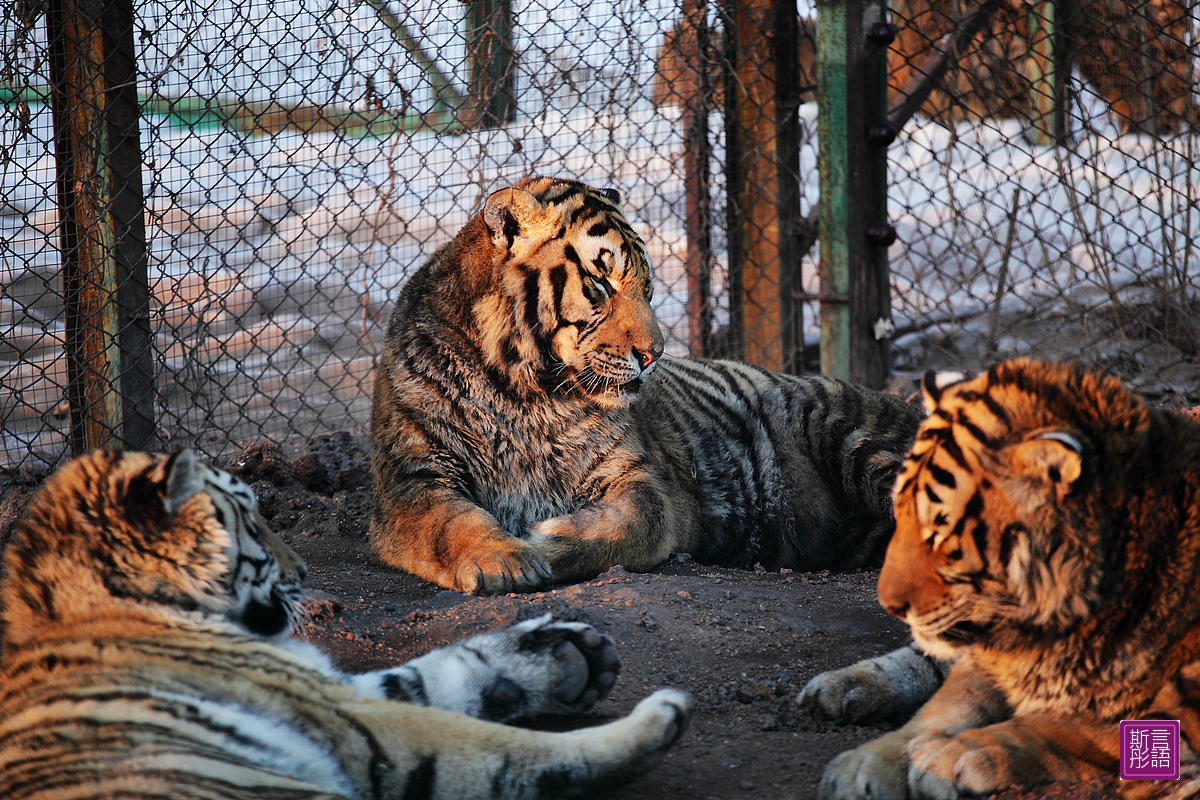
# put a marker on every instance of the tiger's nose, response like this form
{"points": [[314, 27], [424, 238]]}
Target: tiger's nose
{"points": [[647, 357]]}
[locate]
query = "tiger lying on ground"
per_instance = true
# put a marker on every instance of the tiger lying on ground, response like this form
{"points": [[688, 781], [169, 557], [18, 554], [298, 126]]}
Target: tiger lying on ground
{"points": [[146, 609], [526, 429], [1048, 544]]}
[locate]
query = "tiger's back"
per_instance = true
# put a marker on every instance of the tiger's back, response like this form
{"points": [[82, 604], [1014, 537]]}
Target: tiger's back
{"points": [[791, 471]]}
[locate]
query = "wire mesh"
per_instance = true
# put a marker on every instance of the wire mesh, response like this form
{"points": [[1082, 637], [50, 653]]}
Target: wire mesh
{"points": [[1047, 192], [301, 159]]}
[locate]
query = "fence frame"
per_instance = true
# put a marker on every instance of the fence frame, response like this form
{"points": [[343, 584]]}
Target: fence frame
{"points": [[103, 238], [854, 235]]}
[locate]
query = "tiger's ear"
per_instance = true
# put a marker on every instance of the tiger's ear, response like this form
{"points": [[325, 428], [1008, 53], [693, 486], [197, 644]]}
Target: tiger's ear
{"points": [[179, 479], [509, 213], [934, 384], [1054, 456]]}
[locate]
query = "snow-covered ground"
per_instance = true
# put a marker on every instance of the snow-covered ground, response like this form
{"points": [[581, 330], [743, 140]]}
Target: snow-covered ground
{"points": [[273, 257]]}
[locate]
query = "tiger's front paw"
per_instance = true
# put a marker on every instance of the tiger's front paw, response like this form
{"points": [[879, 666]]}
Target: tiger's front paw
{"points": [[499, 568], [890, 686], [855, 694], [551, 667], [877, 771], [947, 767], [654, 726]]}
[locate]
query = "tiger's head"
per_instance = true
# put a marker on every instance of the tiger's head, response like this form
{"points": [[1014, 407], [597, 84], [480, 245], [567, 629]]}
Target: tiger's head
{"points": [[129, 535], [566, 310], [1000, 533]]}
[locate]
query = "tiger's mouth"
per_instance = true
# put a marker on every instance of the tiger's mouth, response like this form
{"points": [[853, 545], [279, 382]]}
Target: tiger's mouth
{"points": [[633, 386], [965, 632]]}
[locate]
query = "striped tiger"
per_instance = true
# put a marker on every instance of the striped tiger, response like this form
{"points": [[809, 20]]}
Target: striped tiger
{"points": [[146, 611], [527, 429], [1047, 544]]}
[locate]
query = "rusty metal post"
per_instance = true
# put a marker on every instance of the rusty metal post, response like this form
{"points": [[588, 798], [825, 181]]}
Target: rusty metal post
{"points": [[754, 193], [102, 232], [489, 30], [696, 94], [785, 52]]}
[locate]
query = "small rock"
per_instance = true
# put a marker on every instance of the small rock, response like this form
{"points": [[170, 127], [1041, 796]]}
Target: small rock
{"points": [[320, 605], [262, 461]]}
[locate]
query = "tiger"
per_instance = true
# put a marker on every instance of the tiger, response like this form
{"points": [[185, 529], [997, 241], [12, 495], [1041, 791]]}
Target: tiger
{"points": [[527, 429], [147, 611], [1047, 548]]}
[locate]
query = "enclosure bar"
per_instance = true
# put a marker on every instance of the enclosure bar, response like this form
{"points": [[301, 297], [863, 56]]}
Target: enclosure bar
{"points": [[102, 232], [757, 199], [851, 75], [1047, 73], [832, 168], [489, 33], [734, 178], [785, 45], [697, 92]]}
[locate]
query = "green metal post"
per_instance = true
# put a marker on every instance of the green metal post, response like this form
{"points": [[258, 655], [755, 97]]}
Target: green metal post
{"points": [[833, 167], [852, 38], [1047, 74]]}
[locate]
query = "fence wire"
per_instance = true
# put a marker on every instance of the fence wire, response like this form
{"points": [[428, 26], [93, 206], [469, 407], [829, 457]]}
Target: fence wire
{"points": [[301, 159], [1047, 195]]}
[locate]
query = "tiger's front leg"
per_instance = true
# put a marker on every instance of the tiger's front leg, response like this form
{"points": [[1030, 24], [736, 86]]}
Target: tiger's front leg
{"points": [[436, 754], [882, 769], [637, 526], [1023, 751], [540, 666], [454, 543]]}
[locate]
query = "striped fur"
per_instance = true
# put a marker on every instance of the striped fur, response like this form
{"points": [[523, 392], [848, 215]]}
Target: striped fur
{"points": [[527, 429], [146, 611], [1048, 542]]}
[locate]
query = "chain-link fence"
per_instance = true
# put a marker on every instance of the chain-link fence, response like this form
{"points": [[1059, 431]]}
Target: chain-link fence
{"points": [[1047, 196], [300, 159]]}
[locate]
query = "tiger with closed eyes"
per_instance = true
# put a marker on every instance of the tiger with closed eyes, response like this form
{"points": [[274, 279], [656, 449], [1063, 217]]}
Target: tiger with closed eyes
{"points": [[527, 429], [1047, 546], [145, 653]]}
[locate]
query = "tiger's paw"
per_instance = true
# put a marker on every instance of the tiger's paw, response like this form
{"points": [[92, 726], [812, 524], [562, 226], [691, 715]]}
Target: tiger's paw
{"points": [[945, 768], [498, 569], [890, 686], [874, 771], [548, 666], [652, 729]]}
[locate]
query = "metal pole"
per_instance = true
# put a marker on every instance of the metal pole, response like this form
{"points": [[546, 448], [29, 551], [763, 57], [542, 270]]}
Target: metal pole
{"points": [[697, 91], [493, 100], [735, 177], [1047, 74], [755, 115], [96, 114], [785, 45], [854, 134]]}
